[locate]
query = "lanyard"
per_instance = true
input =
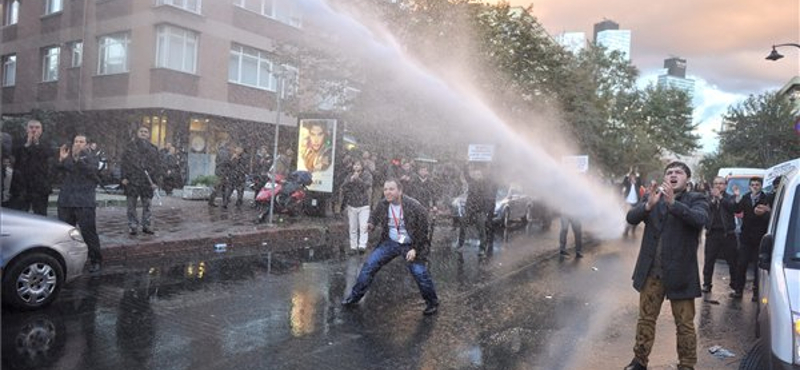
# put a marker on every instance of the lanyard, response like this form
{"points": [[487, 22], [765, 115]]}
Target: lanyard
{"points": [[396, 220]]}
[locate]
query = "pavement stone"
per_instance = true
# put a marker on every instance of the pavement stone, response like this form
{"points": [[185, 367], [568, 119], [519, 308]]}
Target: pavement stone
{"points": [[190, 227]]}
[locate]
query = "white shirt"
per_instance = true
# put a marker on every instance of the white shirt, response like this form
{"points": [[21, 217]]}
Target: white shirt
{"points": [[397, 232]]}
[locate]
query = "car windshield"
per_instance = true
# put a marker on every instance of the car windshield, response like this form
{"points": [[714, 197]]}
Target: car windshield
{"points": [[742, 182], [792, 252]]}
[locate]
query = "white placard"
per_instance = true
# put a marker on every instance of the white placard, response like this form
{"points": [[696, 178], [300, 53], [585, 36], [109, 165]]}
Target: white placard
{"points": [[480, 152], [579, 163]]}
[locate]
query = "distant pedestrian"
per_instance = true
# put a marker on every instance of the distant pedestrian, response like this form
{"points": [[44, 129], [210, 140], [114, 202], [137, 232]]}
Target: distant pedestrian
{"points": [[566, 222], [30, 185], [237, 175], [479, 208], [76, 198], [720, 234], [630, 190], [356, 191], [222, 170], [667, 264], [405, 233], [141, 173], [6, 170], [172, 169], [755, 208], [283, 164]]}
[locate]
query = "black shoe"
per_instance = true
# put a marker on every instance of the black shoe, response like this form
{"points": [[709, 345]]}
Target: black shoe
{"points": [[94, 267], [736, 294], [431, 309], [578, 255], [212, 204], [132, 231], [635, 365], [148, 231], [706, 288], [349, 302], [563, 253]]}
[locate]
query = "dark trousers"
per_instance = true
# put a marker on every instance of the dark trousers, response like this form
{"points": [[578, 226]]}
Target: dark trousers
{"points": [[228, 191], [481, 221], [748, 253], [84, 219], [25, 202], [384, 253], [576, 231], [719, 244]]}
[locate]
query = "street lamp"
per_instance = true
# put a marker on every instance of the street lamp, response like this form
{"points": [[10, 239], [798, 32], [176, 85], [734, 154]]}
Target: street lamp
{"points": [[280, 76], [775, 55]]}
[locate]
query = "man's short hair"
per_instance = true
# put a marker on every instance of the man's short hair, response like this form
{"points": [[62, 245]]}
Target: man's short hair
{"points": [[757, 179], [396, 181], [680, 164]]}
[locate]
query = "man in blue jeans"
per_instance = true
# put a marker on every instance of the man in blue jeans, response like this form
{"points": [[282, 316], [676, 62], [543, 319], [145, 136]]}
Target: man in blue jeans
{"points": [[405, 233]]}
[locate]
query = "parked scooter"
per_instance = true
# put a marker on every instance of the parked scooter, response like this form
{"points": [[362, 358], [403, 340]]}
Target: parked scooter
{"points": [[289, 192]]}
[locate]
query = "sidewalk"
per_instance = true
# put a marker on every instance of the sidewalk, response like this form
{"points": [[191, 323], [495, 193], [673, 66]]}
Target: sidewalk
{"points": [[188, 227]]}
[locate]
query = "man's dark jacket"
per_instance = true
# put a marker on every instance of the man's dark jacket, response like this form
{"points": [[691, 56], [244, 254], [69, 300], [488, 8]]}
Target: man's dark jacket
{"points": [[79, 181], [626, 187], [753, 225], [722, 210], [416, 220], [32, 170], [678, 226], [140, 156]]}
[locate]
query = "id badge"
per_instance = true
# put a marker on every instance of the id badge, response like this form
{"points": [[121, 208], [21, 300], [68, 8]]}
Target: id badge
{"points": [[402, 239]]}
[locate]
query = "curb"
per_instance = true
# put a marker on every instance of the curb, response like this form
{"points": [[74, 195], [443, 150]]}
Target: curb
{"points": [[269, 240]]}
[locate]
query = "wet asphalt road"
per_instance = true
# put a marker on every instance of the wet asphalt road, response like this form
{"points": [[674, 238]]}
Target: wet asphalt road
{"points": [[524, 307]]}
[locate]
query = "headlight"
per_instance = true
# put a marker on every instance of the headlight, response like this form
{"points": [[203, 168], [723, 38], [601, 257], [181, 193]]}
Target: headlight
{"points": [[75, 235], [796, 332]]}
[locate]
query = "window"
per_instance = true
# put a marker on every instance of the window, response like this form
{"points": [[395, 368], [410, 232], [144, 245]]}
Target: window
{"points": [[76, 52], [112, 56], [50, 63], [189, 5], [9, 70], [53, 6], [10, 12], [251, 67], [285, 11], [176, 48]]}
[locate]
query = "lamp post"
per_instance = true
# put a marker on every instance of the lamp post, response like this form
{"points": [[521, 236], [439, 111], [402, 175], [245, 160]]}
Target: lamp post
{"points": [[775, 55], [278, 93]]}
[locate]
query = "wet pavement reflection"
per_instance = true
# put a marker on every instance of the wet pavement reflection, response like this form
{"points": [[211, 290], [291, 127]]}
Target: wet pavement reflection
{"points": [[522, 307]]}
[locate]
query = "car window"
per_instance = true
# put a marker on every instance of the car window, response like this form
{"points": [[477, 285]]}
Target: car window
{"points": [[791, 256], [776, 211]]}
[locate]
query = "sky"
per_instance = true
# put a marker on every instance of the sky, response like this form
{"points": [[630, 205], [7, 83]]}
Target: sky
{"points": [[724, 43]]}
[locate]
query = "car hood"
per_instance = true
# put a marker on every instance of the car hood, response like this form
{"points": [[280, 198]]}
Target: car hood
{"points": [[21, 230]]}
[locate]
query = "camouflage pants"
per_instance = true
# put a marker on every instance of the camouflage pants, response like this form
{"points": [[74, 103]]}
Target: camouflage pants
{"points": [[650, 299]]}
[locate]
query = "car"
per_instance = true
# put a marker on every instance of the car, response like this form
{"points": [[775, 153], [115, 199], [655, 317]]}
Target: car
{"points": [[778, 313], [39, 255], [511, 205]]}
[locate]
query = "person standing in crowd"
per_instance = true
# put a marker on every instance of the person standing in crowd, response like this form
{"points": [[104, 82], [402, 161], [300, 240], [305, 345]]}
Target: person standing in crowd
{"points": [[222, 170], [667, 264], [30, 185], [356, 191], [755, 220], [566, 221], [237, 175], [405, 233], [479, 209], [283, 164], [172, 168], [141, 172], [368, 162], [425, 189], [720, 233], [5, 169], [630, 190], [76, 198]]}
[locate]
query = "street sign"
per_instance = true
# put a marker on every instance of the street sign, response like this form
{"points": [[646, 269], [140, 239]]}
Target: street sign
{"points": [[579, 163], [480, 152]]}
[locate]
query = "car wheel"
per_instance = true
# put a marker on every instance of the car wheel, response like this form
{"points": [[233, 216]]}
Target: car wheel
{"points": [[756, 358], [32, 281], [34, 342]]}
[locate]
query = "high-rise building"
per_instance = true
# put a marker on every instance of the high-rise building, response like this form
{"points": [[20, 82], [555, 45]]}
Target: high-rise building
{"points": [[573, 42], [608, 35], [197, 73], [675, 76]]}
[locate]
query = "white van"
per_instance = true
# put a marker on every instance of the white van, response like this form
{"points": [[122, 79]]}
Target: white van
{"points": [[740, 176], [778, 315]]}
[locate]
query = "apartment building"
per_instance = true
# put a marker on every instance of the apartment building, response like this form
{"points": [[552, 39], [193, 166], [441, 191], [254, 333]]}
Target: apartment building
{"points": [[197, 73]]}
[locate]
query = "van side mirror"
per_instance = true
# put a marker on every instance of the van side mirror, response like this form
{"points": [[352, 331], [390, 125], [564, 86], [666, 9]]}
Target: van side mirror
{"points": [[765, 252]]}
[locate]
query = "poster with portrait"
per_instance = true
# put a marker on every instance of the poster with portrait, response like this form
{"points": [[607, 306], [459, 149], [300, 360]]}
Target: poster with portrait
{"points": [[316, 150]]}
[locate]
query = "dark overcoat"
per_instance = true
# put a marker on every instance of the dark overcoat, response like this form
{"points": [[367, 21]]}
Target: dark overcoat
{"points": [[416, 220], [678, 227]]}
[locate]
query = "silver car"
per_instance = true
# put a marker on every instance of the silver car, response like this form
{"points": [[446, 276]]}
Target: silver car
{"points": [[39, 255]]}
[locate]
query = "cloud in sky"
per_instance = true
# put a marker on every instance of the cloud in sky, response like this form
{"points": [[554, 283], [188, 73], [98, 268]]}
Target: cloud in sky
{"points": [[724, 43]]}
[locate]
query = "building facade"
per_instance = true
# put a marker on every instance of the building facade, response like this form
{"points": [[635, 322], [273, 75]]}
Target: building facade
{"points": [[198, 73], [675, 76], [572, 42]]}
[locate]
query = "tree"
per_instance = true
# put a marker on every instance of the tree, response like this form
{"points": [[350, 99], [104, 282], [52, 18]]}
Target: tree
{"points": [[759, 132]]}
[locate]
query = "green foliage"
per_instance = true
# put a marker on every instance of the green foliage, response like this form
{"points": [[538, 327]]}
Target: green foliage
{"points": [[759, 132], [209, 180]]}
